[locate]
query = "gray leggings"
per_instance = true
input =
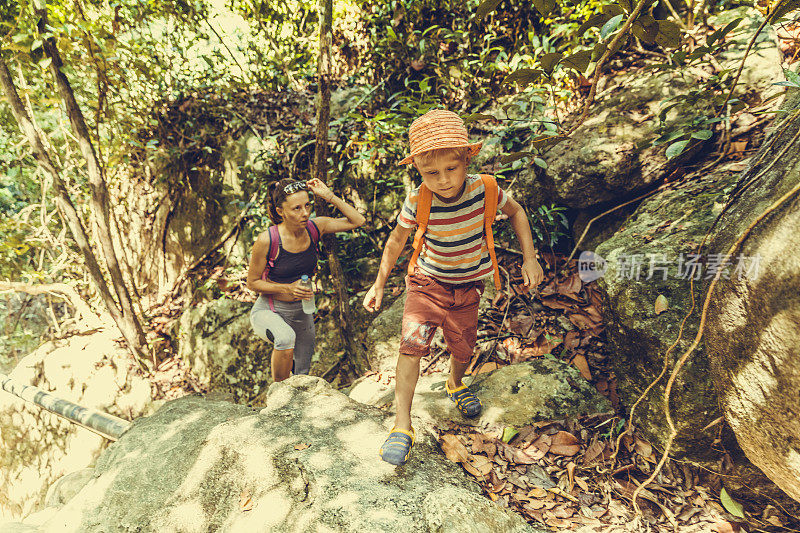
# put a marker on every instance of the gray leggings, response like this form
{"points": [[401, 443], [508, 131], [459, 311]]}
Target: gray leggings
{"points": [[288, 327]]}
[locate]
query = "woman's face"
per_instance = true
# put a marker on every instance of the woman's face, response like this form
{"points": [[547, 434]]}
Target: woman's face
{"points": [[296, 209]]}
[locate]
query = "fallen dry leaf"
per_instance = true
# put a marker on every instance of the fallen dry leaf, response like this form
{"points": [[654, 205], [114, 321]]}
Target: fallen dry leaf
{"points": [[245, 501], [454, 449], [564, 443], [554, 303], [580, 362], [483, 444], [724, 526], [661, 304], [481, 463], [571, 475], [570, 287], [643, 447], [572, 339], [581, 320], [543, 443], [515, 455], [535, 505], [496, 484], [557, 522], [537, 492], [593, 451], [301, 446]]}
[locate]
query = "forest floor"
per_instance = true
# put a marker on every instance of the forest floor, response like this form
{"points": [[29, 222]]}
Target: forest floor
{"points": [[596, 462]]}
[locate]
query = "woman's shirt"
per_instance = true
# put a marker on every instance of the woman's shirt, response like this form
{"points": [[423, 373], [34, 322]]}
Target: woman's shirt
{"points": [[291, 266]]}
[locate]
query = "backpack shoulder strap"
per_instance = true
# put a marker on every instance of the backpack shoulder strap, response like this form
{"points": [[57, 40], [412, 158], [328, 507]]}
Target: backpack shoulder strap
{"points": [[274, 245], [274, 248], [491, 197], [424, 199], [313, 232], [491, 193]]}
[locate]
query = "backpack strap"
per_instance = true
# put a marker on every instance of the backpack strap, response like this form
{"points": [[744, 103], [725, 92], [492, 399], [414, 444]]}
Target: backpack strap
{"points": [[274, 249], [313, 232], [424, 199], [490, 198]]}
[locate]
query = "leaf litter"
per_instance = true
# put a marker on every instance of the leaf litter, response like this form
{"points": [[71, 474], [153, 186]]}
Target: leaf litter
{"points": [[564, 474]]}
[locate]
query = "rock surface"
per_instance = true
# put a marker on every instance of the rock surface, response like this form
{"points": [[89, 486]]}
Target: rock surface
{"points": [[307, 462], [664, 228], [217, 341], [540, 389], [37, 447], [610, 156], [752, 334]]}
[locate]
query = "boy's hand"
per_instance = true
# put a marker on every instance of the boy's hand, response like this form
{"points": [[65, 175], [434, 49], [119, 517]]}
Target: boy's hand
{"points": [[373, 299], [532, 274]]}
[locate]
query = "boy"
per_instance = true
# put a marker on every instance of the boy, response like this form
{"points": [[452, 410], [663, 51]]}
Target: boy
{"points": [[446, 285]]}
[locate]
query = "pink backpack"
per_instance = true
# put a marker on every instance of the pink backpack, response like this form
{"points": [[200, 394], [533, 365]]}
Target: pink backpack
{"points": [[275, 245]]}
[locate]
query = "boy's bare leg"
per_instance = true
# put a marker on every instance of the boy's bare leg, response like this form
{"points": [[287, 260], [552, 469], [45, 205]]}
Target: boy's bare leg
{"points": [[457, 371], [405, 383], [281, 364]]}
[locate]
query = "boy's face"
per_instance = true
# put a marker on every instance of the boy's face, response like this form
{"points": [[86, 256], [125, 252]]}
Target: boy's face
{"points": [[444, 175]]}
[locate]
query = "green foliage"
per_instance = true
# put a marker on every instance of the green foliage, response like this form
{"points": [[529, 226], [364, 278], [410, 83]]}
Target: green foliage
{"points": [[549, 224]]}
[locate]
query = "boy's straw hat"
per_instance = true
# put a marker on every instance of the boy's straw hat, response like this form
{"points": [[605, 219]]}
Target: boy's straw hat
{"points": [[436, 129]]}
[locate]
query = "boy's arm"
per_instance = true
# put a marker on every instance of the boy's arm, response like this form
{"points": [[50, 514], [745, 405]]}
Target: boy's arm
{"points": [[394, 246], [532, 274]]}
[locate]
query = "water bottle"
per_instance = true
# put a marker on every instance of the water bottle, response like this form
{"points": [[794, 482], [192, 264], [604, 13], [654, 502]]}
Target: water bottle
{"points": [[308, 303]]}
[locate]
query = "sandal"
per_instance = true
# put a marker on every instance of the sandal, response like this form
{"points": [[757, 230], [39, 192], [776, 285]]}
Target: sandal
{"points": [[466, 401], [397, 446]]}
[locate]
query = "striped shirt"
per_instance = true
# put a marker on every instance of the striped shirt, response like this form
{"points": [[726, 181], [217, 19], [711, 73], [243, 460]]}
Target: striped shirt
{"points": [[454, 249]]}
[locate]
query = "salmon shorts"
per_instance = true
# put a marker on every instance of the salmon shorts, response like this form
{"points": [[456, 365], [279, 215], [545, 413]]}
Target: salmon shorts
{"points": [[432, 304]]}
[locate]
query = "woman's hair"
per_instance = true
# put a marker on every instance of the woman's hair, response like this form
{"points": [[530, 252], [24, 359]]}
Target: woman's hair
{"points": [[277, 194]]}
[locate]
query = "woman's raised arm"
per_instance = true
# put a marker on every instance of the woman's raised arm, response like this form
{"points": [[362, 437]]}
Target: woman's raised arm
{"points": [[352, 219]]}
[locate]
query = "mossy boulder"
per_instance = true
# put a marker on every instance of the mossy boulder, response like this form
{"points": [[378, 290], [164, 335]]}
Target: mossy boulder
{"points": [[649, 257], [611, 157], [752, 336]]}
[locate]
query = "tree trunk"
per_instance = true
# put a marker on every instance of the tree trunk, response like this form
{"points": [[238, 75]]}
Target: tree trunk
{"points": [[130, 330], [97, 184], [354, 352]]}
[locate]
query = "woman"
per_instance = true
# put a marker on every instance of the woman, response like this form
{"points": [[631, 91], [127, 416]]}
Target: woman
{"points": [[278, 314]]}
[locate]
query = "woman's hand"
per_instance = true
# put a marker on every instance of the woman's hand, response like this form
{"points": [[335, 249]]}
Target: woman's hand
{"points": [[319, 189], [298, 291]]}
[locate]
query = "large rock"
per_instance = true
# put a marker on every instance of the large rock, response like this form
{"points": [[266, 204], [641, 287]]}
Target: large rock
{"points": [[752, 336], [610, 157], [217, 341], [515, 395], [664, 228], [382, 340], [307, 462], [37, 447]]}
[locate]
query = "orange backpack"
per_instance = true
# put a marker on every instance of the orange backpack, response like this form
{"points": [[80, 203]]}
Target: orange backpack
{"points": [[489, 212]]}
